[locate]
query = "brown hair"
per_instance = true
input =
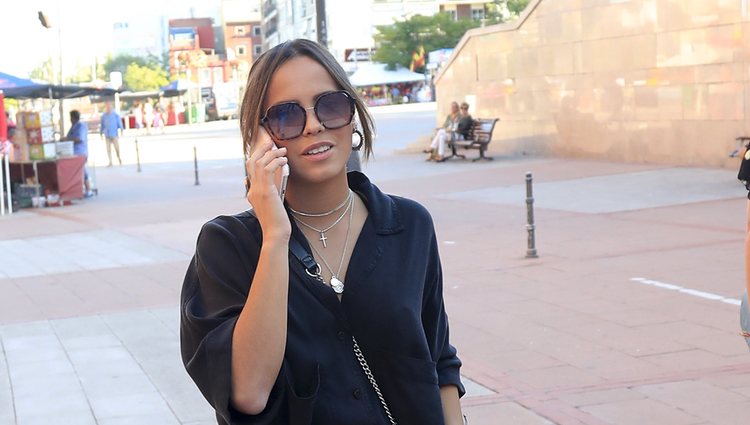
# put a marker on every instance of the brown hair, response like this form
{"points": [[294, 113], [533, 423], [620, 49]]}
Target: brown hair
{"points": [[251, 110]]}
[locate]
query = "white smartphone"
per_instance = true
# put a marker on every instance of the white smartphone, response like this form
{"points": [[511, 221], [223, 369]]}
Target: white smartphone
{"points": [[284, 177]]}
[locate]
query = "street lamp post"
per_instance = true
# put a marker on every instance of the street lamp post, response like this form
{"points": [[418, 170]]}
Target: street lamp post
{"points": [[44, 20]]}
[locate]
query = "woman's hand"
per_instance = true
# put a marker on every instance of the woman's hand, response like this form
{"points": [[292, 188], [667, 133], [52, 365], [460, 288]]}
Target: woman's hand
{"points": [[264, 174]]}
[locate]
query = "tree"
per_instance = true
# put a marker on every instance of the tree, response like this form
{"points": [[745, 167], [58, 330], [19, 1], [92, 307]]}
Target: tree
{"points": [[139, 73], [45, 71], [144, 78], [399, 41], [120, 62], [504, 10]]}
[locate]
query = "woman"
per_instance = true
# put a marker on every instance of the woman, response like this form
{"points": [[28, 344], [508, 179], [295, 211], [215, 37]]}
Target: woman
{"points": [[269, 340], [440, 141], [744, 176]]}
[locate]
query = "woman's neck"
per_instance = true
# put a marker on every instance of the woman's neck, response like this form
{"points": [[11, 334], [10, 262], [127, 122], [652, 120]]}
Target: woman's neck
{"points": [[315, 198]]}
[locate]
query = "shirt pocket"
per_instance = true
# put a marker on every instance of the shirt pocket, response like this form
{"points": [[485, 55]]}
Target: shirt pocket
{"points": [[301, 398], [409, 386]]}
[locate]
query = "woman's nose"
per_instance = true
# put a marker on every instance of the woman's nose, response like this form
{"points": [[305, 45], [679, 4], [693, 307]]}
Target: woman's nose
{"points": [[312, 125]]}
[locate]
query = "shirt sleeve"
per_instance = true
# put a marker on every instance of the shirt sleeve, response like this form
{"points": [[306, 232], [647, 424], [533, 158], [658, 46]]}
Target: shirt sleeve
{"points": [[214, 292], [435, 322]]}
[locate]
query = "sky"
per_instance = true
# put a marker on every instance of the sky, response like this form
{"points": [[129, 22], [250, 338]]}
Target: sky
{"points": [[85, 27]]}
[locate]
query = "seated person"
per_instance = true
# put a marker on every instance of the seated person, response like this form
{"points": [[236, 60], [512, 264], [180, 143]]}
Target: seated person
{"points": [[459, 131], [449, 124]]}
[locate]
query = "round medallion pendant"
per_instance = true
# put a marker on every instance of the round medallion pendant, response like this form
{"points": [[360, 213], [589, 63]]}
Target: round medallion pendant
{"points": [[337, 285]]}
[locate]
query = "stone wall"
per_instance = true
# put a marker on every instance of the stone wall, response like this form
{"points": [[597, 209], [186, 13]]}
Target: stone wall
{"points": [[662, 81]]}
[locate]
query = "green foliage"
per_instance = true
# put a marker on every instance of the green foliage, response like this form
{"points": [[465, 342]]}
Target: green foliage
{"points": [[120, 62], [83, 74], [397, 42], [144, 77], [45, 71], [516, 7], [9, 104], [138, 73], [504, 10]]}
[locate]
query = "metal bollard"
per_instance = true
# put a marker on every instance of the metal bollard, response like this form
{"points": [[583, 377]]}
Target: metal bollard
{"points": [[2, 186], [531, 245], [8, 184], [137, 155], [195, 157]]}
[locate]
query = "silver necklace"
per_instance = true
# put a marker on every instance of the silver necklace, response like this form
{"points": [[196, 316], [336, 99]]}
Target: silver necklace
{"points": [[336, 283], [322, 232], [304, 214]]}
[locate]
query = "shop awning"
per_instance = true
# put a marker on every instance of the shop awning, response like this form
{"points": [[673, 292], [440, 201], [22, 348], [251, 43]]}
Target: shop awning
{"points": [[175, 88], [137, 95], [21, 88], [373, 73]]}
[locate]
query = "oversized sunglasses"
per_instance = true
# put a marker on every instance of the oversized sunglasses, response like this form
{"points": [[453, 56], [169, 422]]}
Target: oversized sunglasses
{"points": [[287, 121]]}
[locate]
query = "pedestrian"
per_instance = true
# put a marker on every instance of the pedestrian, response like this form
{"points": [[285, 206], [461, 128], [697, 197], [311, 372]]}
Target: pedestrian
{"points": [[110, 127], [744, 176], [439, 142], [137, 113], [79, 135], [286, 305], [148, 116], [159, 118]]}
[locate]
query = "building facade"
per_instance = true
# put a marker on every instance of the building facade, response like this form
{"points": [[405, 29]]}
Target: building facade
{"points": [[656, 81], [243, 35], [192, 52], [349, 25], [461, 9], [140, 36]]}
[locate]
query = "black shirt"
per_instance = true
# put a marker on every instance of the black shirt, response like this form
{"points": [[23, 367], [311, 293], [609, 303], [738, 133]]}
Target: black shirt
{"points": [[393, 305], [464, 126]]}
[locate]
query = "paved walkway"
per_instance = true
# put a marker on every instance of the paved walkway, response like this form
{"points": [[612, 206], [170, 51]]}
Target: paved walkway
{"points": [[627, 317]]}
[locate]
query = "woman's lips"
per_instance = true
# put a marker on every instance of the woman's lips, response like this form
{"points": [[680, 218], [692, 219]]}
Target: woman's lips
{"points": [[325, 148]]}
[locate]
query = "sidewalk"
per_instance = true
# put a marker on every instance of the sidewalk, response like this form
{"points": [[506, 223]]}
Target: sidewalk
{"points": [[591, 332]]}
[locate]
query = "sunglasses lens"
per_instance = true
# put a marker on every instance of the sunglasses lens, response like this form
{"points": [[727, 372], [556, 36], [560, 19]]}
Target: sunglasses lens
{"points": [[334, 110], [286, 121]]}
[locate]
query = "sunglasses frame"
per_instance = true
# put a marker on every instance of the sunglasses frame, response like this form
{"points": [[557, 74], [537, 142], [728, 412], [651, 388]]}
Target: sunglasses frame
{"points": [[352, 106]]}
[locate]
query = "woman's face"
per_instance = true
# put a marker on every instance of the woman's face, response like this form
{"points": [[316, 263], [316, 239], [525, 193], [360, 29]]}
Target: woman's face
{"points": [[454, 108], [318, 154]]}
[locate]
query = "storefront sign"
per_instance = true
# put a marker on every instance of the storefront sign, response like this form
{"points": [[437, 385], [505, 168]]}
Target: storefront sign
{"points": [[358, 55]]}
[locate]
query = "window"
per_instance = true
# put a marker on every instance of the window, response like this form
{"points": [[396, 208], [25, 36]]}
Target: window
{"points": [[477, 14], [239, 30], [257, 49], [452, 13], [241, 50], [256, 30]]}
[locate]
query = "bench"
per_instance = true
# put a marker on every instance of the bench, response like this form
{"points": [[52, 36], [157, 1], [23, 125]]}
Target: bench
{"points": [[480, 136]]}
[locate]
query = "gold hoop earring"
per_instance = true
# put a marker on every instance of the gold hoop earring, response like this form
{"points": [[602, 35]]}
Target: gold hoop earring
{"points": [[358, 146]]}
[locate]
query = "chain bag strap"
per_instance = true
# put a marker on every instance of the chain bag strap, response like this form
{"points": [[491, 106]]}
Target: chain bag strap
{"points": [[370, 377]]}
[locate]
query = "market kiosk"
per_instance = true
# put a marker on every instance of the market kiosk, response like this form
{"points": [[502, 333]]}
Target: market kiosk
{"points": [[44, 171]]}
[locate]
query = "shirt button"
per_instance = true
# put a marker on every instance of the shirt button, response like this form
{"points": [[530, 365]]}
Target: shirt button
{"points": [[357, 393], [341, 335]]}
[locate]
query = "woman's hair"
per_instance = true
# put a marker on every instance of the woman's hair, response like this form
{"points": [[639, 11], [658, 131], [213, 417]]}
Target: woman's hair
{"points": [[251, 110]]}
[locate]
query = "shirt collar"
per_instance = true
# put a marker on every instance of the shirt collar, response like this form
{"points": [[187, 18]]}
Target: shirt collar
{"points": [[382, 210]]}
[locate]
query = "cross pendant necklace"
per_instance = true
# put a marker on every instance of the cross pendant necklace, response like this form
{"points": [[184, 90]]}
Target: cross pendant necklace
{"points": [[323, 238]]}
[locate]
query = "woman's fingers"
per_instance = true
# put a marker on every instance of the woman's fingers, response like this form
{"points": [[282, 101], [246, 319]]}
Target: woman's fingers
{"points": [[264, 161], [261, 143]]}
